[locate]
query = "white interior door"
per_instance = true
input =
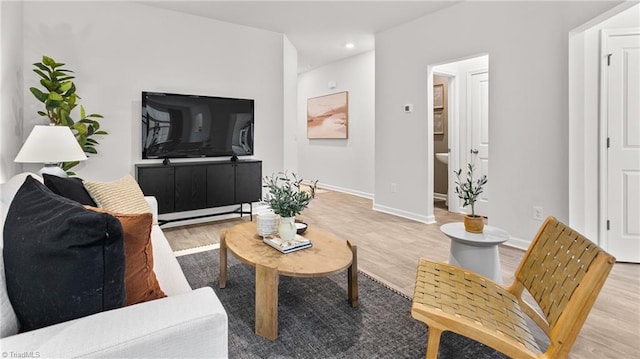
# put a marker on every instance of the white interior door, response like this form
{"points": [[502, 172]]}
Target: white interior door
{"points": [[621, 68], [478, 131]]}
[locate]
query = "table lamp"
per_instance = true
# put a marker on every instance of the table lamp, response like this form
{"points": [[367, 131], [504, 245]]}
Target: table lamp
{"points": [[50, 145]]}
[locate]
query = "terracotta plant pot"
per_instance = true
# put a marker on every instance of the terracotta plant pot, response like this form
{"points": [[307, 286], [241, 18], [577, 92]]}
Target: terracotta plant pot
{"points": [[473, 224]]}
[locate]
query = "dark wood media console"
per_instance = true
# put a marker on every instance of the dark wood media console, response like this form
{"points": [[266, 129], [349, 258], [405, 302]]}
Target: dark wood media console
{"points": [[188, 186]]}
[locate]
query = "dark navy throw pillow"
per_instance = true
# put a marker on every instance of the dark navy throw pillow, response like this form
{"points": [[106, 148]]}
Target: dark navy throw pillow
{"points": [[62, 261], [69, 187]]}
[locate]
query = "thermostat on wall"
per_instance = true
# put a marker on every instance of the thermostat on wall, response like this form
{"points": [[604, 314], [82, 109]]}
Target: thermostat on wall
{"points": [[408, 108]]}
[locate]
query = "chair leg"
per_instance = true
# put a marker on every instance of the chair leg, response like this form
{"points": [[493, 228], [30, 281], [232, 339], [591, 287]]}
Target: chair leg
{"points": [[433, 343]]}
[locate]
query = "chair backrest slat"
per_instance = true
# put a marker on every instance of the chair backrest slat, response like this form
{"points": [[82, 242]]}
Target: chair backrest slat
{"points": [[556, 262]]}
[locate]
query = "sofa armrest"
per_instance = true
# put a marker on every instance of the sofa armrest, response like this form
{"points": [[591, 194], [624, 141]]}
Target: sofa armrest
{"points": [[189, 325], [153, 204]]}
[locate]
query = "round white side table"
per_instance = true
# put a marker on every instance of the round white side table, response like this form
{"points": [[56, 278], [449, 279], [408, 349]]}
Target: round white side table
{"points": [[477, 252]]}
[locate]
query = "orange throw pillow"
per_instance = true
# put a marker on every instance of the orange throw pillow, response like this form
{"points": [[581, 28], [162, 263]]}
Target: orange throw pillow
{"points": [[140, 279]]}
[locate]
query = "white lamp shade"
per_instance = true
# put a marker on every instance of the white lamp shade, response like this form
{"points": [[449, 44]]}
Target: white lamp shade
{"points": [[50, 144]]}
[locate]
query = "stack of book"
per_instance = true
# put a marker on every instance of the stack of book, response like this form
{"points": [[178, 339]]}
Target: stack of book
{"points": [[296, 244]]}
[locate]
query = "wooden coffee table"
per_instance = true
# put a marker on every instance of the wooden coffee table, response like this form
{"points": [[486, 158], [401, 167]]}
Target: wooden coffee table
{"points": [[328, 254]]}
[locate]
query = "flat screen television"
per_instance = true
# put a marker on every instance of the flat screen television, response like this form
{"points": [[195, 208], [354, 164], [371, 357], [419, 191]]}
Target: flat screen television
{"points": [[175, 126]]}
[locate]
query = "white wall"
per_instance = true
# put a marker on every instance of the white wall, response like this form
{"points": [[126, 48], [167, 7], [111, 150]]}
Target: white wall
{"points": [[344, 165], [290, 106], [584, 125], [118, 50], [527, 43], [11, 100]]}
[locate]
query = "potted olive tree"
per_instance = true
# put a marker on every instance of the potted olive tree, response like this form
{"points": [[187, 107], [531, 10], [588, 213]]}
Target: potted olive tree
{"points": [[468, 190], [59, 97], [287, 199]]}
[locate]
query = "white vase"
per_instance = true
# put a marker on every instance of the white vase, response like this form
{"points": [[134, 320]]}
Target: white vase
{"points": [[287, 228], [267, 224]]}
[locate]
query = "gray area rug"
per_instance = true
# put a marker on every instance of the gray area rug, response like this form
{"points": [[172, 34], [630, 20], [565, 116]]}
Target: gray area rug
{"points": [[316, 320]]}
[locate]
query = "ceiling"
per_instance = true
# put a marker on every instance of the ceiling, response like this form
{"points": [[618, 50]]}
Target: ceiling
{"points": [[318, 29]]}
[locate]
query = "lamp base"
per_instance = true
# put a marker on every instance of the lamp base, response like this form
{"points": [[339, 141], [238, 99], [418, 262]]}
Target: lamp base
{"points": [[52, 169]]}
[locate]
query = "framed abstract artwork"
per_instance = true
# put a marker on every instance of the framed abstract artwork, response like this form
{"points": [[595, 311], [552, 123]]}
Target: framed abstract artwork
{"points": [[328, 116]]}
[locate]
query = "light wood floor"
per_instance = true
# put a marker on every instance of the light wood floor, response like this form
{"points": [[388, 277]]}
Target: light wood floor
{"points": [[389, 248]]}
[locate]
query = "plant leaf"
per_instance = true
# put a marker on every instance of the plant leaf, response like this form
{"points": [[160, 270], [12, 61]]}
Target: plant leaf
{"points": [[68, 165], [52, 105], [69, 120], [42, 97], [48, 61], [41, 67], [55, 74], [42, 74], [65, 78], [54, 96], [66, 86], [49, 85], [72, 97], [71, 92]]}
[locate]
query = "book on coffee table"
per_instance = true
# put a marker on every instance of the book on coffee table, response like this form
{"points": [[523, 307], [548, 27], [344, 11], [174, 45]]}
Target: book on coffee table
{"points": [[298, 243]]}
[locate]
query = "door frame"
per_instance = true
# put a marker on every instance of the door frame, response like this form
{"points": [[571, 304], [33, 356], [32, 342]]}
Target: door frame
{"points": [[584, 206], [455, 124], [453, 134], [469, 142]]}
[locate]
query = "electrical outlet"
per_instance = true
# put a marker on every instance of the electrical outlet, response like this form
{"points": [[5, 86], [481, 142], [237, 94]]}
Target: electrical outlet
{"points": [[538, 213], [394, 188]]}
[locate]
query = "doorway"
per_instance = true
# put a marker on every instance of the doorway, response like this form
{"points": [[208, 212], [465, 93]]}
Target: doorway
{"points": [[595, 148], [463, 137]]}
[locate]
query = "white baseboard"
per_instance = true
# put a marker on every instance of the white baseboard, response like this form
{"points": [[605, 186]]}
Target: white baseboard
{"points": [[400, 213], [517, 243], [208, 247], [346, 190], [440, 196]]}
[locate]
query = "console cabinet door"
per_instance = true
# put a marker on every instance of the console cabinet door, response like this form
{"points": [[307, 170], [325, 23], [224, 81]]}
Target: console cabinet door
{"points": [[191, 188], [158, 182], [220, 185], [248, 182]]}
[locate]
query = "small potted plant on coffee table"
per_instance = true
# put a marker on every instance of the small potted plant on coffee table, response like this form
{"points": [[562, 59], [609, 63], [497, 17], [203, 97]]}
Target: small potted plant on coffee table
{"points": [[468, 190], [287, 198]]}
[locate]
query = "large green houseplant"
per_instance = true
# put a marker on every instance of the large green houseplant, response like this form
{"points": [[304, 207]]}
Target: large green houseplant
{"points": [[287, 198], [60, 98], [469, 190]]}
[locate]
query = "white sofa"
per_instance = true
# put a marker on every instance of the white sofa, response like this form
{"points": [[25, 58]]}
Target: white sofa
{"points": [[187, 323]]}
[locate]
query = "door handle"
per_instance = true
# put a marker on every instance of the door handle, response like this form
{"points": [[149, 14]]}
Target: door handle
{"points": [[474, 151]]}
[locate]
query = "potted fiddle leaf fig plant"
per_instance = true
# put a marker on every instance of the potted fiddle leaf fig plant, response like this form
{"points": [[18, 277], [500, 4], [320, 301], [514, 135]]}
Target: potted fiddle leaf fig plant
{"points": [[287, 198], [468, 190], [60, 98]]}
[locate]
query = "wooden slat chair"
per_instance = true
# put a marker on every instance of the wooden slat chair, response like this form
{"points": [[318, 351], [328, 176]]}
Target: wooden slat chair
{"points": [[563, 272]]}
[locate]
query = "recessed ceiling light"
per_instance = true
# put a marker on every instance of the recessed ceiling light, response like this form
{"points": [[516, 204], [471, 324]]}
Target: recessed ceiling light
{"points": [[350, 45]]}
